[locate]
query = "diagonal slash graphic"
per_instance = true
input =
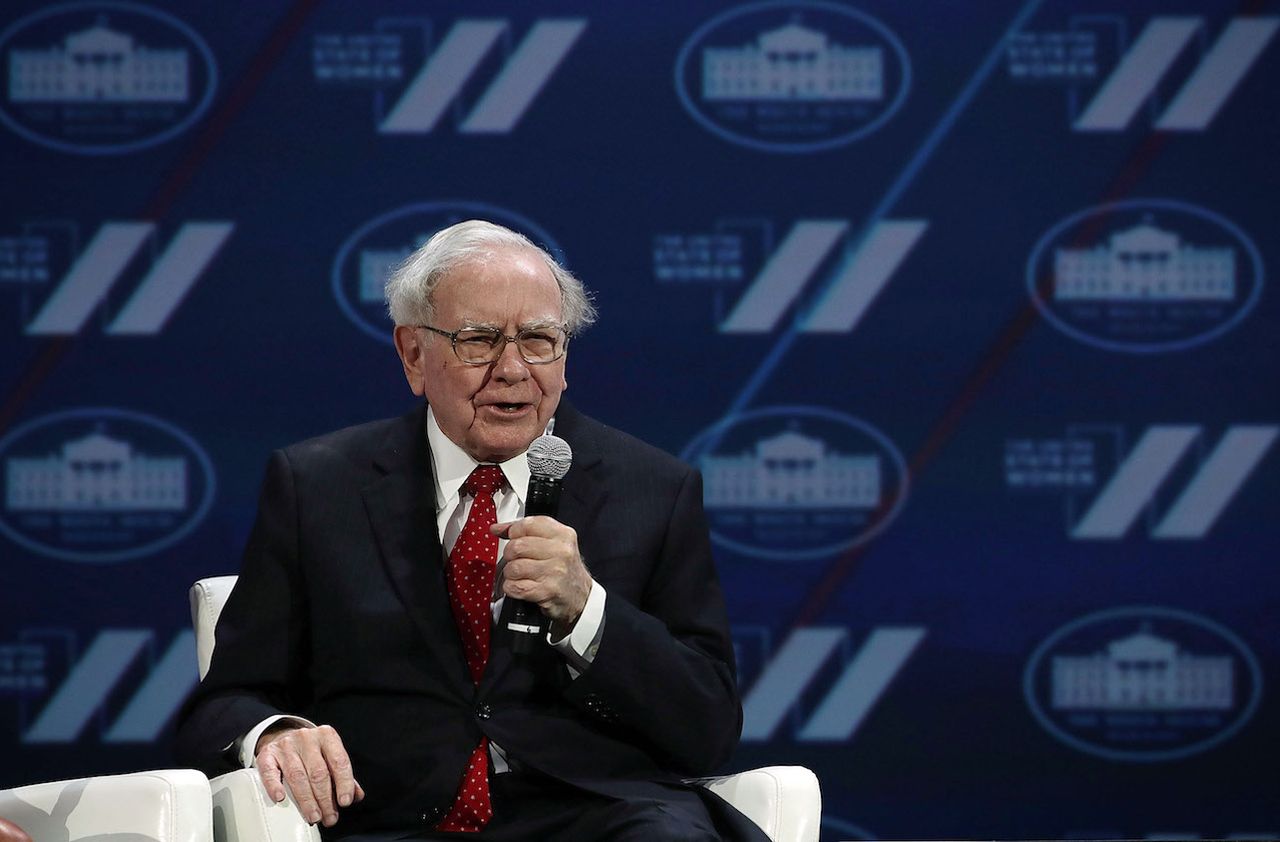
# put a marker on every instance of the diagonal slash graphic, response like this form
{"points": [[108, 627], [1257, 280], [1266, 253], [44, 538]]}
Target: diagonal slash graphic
{"points": [[1023, 319], [896, 190], [813, 604], [173, 186]]}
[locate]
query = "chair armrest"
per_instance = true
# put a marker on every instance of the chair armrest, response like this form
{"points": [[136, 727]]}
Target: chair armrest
{"points": [[243, 812], [785, 801], [170, 805]]}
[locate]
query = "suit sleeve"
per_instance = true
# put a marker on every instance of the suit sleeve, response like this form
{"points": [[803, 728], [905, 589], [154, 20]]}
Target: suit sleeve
{"points": [[664, 668], [259, 659]]}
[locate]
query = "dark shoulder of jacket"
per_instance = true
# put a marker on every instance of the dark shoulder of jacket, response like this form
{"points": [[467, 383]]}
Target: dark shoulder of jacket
{"points": [[609, 441], [358, 445]]}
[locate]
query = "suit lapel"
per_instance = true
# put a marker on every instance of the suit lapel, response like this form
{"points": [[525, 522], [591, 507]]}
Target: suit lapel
{"points": [[584, 489], [401, 509]]}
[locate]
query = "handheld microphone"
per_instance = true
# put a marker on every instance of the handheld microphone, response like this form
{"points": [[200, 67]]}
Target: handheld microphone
{"points": [[549, 460]]}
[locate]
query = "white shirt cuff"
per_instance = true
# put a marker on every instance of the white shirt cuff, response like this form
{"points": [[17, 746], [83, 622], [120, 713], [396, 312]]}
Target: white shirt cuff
{"points": [[580, 645], [247, 743]]}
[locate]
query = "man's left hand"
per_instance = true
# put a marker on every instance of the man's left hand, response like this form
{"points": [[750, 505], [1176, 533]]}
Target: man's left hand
{"points": [[543, 566]]}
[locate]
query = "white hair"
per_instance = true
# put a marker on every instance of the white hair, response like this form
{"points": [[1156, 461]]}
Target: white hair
{"points": [[411, 286]]}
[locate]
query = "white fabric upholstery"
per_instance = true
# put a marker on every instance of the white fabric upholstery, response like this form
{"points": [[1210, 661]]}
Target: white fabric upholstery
{"points": [[207, 597], [243, 812], [166, 806], [784, 800]]}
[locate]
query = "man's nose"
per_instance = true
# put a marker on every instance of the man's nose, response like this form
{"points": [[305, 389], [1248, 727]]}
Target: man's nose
{"points": [[510, 367]]}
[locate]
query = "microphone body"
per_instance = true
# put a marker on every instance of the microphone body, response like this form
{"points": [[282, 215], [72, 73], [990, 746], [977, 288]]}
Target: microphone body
{"points": [[549, 459]]}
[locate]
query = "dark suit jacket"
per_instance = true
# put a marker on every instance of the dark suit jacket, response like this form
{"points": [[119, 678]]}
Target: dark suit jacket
{"points": [[341, 615]]}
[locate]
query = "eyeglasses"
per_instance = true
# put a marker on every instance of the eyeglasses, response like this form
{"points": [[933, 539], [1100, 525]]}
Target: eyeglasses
{"points": [[483, 345]]}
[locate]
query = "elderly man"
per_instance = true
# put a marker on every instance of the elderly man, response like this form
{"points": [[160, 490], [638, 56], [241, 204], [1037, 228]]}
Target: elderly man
{"points": [[357, 662]]}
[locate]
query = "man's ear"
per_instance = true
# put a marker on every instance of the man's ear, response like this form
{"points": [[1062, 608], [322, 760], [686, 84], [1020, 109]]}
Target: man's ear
{"points": [[409, 347]]}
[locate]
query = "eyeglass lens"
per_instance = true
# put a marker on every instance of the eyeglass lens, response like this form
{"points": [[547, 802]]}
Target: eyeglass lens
{"points": [[537, 345]]}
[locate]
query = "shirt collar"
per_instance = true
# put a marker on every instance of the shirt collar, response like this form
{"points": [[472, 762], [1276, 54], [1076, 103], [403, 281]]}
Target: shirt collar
{"points": [[452, 465]]}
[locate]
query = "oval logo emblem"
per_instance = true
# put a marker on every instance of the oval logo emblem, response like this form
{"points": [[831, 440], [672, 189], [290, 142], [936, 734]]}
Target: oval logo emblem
{"points": [[102, 485], [793, 76], [1143, 684], [102, 78], [797, 482], [1145, 275], [369, 256]]}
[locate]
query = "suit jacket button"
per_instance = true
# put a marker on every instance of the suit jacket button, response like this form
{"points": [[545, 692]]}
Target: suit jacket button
{"points": [[483, 711]]}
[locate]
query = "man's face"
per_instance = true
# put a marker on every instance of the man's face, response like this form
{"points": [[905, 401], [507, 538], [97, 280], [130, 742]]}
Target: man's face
{"points": [[491, 411]]}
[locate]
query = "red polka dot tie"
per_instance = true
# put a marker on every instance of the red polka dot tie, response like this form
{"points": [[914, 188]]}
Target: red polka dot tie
{"points": [[472, 565]]}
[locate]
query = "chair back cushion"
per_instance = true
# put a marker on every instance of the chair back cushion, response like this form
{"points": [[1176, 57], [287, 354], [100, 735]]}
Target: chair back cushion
{"points": [[207, 598]]}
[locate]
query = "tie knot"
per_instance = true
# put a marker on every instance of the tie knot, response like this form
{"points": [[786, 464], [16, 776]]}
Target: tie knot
{"points": [[485, 479]]}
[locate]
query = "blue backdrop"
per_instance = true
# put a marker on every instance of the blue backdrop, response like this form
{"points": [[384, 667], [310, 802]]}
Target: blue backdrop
{"points": [[962, 308]]}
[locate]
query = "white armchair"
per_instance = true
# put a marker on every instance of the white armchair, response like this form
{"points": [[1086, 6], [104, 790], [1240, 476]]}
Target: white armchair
{"points": [[784, 800], [171, 805]]}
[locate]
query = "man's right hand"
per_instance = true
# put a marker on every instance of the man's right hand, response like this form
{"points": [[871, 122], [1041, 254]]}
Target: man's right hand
{"points": [[314, 765]]}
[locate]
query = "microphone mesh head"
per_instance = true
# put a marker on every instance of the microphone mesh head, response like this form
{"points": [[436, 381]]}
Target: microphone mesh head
{"points": [[550, 456]]}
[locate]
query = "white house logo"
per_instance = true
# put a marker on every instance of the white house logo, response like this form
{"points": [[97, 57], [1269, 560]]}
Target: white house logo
{"points": [[1145, 276], [797, 483], [368, 257], [102, 485], [103, 77], [1143, 684], [792, 76]]}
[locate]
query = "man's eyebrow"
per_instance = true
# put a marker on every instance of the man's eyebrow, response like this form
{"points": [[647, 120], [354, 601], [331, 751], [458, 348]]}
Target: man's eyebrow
{"points": [[537, 323], [529, 325]]}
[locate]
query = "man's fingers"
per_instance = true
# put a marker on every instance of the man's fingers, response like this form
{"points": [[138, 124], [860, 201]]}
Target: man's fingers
{"points": [[542, 565], [339, 765], [272, 781], [516, 569], [314, 765], [321, 782], [520, 588], [296, 776], [546, 570], [552, 601], [538, 548], [541, 525]]}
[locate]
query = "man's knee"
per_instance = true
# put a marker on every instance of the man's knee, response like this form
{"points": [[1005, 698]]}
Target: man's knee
{"points": [[647, 821]]}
